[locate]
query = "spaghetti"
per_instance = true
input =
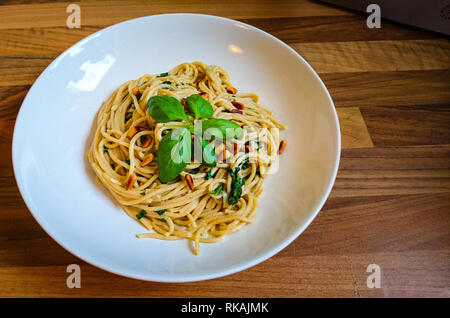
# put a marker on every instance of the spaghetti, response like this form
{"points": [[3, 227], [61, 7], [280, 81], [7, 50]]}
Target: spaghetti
{"points": [[202, 204]]}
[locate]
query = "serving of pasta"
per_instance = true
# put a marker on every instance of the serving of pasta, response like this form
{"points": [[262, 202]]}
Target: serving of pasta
{"points": [[184, 153]]}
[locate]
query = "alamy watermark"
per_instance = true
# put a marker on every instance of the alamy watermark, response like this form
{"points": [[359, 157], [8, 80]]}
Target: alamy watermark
{"points": [[374, 279], [374, 19], [74, 279], [74, 19]]}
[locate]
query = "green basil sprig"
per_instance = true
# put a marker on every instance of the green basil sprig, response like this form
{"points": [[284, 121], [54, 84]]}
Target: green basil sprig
{"points": [[174, 154], [208, 157], [221, 128], [199, 106], [175, 149], [165, 108]]}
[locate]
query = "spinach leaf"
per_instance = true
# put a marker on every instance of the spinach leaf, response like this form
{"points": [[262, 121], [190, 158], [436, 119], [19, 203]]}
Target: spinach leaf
{"points": [[199, 106], [174, 154], [141, 214], [245, 163], [237, 182], [236, 186], [217, 191], [161, 212], [165, 108], [208, 175], [193, 171], [221, 129]]}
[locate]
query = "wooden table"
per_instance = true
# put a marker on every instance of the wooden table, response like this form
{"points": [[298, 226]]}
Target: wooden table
{"points": [[391, 202]]}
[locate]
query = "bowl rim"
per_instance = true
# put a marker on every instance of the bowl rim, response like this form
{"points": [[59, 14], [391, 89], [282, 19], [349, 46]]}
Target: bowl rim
{"points": [[196, 277]]}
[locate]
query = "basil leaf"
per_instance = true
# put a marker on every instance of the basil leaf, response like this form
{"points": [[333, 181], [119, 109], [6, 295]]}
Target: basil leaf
{"points": [[165, 108], [174, 154], [221, 128], [199, 106], [209, 157], [204, 149]]}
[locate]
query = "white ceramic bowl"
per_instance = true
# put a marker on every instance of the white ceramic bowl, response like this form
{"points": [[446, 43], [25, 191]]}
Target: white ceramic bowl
{"points": [[57, 119]]}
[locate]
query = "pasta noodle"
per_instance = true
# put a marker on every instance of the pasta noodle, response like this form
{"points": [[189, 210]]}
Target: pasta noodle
{"points": [[195, 205]]}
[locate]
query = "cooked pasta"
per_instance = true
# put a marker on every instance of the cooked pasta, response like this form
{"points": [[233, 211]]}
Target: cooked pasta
{"points": [[203, 203]]}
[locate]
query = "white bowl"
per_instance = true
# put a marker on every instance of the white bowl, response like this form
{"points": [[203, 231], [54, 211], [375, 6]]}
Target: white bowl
{"points": [[57, 119]]}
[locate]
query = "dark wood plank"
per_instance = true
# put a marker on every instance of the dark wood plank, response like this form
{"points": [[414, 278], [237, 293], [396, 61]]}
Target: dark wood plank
{"points": [[22, 70], [15, 2], [393, 171], [391, 88], [383, 224], [11, 97], [93, 12], [366, 56], [408, 125], [336, 29], [39, 41]]}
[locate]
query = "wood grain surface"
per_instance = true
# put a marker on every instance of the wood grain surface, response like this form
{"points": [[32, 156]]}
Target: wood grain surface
{"points": [[391, 201]]}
